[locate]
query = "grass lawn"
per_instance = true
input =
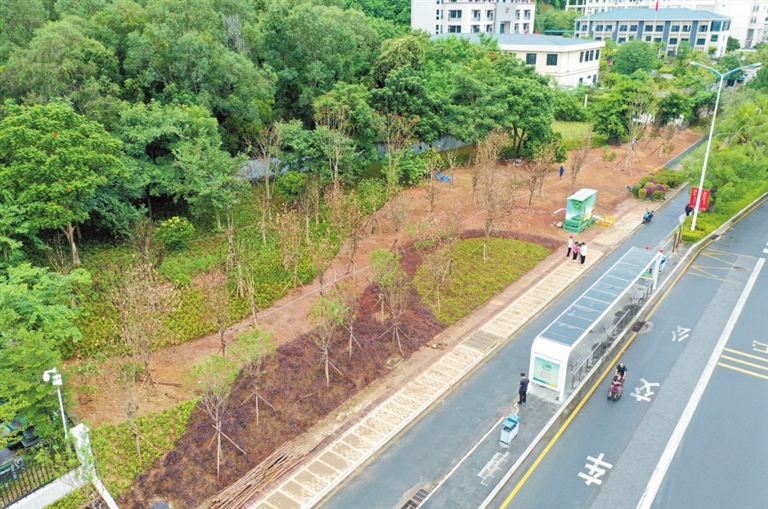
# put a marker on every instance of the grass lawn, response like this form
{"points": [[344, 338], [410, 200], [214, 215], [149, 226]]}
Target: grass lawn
{"points": [[472, 281]]}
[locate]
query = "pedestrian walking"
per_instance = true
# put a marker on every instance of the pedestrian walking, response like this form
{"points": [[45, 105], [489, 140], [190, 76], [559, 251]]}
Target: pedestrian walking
{"points": [[523, 388], [562, 171], [570, 246], [576, 248], [583, 252]]}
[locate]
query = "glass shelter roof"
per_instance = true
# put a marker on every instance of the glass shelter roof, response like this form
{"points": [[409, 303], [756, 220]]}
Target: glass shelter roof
{"points": [[576, 321]]}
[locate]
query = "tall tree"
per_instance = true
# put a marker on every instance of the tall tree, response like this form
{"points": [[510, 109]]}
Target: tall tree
{"points": [[52, 162], [37, 319], [633, 56]]}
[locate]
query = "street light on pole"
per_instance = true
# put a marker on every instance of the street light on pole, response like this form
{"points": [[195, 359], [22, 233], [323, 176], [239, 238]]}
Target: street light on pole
{"points": [[53, 376], [712, 129]]}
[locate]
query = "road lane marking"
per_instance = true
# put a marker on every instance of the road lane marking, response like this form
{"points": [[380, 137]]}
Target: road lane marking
{"points": [[685, 419], [734, 359], [764, 359], [745, 371]]}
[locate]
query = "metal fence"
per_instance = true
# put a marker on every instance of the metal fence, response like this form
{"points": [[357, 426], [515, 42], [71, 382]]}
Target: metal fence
{"points": [[32, 472]]}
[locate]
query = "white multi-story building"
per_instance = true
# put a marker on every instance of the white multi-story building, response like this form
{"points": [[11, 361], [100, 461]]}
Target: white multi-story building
{"points": [[748, 17], [702, 30], [473, 16], [570, 61]]}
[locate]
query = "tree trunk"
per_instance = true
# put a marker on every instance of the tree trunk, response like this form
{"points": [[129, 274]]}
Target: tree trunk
{"points": [[69, 231]]}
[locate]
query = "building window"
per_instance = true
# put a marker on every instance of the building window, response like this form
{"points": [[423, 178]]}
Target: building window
{"points": [[489, 29], [581, 57], [489, 15], [437, 29], [622, 28], [701, 42], [475, 29], [608, 28], [454, 29], [659, 28], [673, 40], [581, 80], [454, 14], [702, 28], [631, 37], [551, 58], [598, 28], [648, 28], [591, 55], [647, 38], [657, 39], [633, 28], [713, 38], [686, 28], [726, 26], [475, 15], [675, 28], [525, 27], [437, 14], [530, 58], [597, 54], [526, 14], [517, 28], [716, 26], [598, 38]]}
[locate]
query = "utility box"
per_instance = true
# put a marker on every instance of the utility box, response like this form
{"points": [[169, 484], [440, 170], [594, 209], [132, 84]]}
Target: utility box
{"points": [[579, 210], [509, 429]]}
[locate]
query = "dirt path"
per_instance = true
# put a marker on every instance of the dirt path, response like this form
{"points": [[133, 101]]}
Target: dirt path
{"points": [[290, 316]]}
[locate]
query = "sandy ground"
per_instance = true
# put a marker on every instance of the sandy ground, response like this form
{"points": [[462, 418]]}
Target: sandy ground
{"points": [[290, 316]]}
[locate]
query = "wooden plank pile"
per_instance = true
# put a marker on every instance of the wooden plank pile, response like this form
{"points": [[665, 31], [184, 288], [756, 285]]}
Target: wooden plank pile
{"points": [[238, 494]]}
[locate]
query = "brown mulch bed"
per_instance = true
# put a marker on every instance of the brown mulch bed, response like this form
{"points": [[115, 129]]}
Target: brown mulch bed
{"points": [[294, 383]]}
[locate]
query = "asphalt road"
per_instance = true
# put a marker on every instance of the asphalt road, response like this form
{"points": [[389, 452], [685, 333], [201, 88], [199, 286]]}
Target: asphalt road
{"points": [[607, 455], [433, 445]]}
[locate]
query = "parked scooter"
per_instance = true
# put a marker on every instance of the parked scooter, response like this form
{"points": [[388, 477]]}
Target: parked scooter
{"points": [[647, 216]]}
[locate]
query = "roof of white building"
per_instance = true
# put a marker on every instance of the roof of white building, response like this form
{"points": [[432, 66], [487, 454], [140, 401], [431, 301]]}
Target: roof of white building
{"points": [[528, 40], [678, 14]]}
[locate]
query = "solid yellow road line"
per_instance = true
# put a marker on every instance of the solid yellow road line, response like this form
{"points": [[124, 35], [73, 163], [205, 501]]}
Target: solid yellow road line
{"points": [[747, 372], [764, 359], [734, 359], [594, 387]]}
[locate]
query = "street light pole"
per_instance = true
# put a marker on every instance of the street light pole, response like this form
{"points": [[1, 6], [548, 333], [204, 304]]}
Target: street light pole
{"points": [[711, 131], [57, 382]]}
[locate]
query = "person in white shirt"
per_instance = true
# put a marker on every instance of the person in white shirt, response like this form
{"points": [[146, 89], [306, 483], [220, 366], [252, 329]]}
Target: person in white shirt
{"points": [[583, 252]]}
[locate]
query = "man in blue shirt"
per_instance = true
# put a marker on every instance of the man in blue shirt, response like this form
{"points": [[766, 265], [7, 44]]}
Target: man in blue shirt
{"points": [[523, 388]]}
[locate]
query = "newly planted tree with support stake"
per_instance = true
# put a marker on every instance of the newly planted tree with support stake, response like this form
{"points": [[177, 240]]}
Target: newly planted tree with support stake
{"points": [[213, 379]]}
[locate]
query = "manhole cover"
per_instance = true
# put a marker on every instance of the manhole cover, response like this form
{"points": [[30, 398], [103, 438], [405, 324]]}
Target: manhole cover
{"points": [[637, 326]]}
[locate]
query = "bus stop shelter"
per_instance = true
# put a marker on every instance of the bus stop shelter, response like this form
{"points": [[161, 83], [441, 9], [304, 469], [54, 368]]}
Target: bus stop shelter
{"points": [[554, 346]]}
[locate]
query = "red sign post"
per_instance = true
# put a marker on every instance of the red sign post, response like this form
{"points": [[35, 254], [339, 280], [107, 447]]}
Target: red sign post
{"points": [[704, 198]]}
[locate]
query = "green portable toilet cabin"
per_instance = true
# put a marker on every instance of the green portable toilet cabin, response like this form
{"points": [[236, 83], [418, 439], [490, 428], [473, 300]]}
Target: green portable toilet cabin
{"points": [[579, 210]]}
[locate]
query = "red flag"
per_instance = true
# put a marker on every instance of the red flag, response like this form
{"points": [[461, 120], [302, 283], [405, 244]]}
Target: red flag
{"points": [[657, 5]]}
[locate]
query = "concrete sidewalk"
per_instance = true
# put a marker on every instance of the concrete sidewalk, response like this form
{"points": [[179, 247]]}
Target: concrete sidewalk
{"points": [[328, 467]]}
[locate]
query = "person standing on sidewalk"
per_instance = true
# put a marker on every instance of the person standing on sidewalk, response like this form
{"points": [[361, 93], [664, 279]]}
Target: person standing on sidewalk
{"points": [[523, 388], [562, 171], [583, 252], [570, 247], [576, 250]]}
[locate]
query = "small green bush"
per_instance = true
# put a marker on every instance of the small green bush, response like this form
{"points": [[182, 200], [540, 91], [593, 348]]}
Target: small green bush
{"points": [[642, 193], [175, 233]]}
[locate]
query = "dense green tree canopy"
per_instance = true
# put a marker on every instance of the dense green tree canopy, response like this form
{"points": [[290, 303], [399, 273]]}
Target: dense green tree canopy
{"points": [[52, 162], [633, 56]]}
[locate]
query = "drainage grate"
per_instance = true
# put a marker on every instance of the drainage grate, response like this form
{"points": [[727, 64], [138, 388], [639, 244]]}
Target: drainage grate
{"points": [[416, 499], [637, 326]]}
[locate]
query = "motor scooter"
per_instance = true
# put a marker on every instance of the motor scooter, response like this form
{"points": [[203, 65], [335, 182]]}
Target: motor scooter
{"points": [[647, 216]]}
